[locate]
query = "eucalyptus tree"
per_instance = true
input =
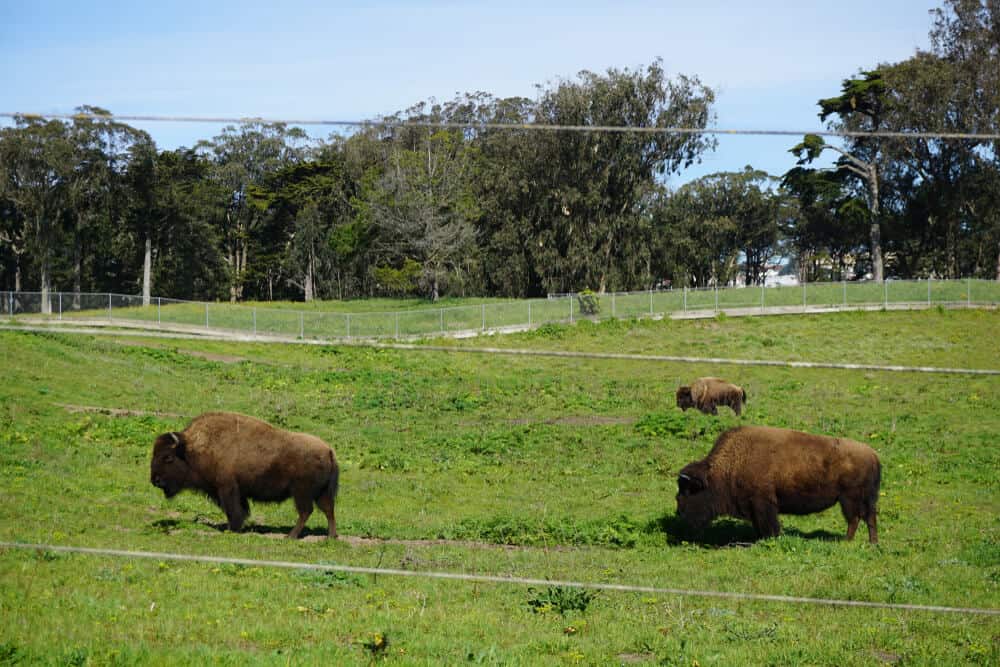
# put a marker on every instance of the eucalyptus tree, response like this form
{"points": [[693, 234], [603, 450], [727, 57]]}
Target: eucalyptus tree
{"points": [[36, 164], [97, 186], [422, 206], [243, 157], [950, 189], [708, 224], [308, 206], [830, 224], [588, 217]]}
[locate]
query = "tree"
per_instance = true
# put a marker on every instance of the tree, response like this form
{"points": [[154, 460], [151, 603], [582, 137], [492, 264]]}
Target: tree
{"points": [[96, 193], [244, 157], [949, 189], [708, 223], [36, 161], [423, 207], [861, 107], [590, 186]]}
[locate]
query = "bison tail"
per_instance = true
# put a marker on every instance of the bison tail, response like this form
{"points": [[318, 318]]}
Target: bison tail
{"points": [[876, 483], [334, 484], [744, 392]]}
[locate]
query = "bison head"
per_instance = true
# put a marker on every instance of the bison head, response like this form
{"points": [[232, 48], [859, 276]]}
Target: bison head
{"points": [[684, 400], [169, 471], [695, 501]]}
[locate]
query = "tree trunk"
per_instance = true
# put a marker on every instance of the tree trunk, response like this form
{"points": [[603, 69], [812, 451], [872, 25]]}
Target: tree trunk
{"points": [[77, 263], [309, 275], [876, 230], [17, 272], [998, 261], [147, 271], [46, 286]]}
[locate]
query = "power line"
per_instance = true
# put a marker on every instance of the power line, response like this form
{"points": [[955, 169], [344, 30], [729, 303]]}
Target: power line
{"points": [[535, 127], [485, 578]]}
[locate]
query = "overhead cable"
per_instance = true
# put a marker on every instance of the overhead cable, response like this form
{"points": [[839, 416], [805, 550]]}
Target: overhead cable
{"points": [[534, 127]]}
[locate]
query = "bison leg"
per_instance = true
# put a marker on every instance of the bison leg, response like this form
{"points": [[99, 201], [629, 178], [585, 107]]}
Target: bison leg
{"points": [[854, 510], [765, 519], [737, 408], [325, 503], [872, 528], [233, 505], [304, 504]]}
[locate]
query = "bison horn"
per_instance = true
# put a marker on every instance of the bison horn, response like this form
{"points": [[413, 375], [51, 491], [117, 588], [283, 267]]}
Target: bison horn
{"points": [[177, 440]]}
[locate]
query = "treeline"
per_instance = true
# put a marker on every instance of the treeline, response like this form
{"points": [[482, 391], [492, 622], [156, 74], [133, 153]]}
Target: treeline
{"points": [[435, 200]]}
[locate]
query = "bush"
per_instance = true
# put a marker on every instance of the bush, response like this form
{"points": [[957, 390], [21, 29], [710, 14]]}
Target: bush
{"points": [[590, 304]]}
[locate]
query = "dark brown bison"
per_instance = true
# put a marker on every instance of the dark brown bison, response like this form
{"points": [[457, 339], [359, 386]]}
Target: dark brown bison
{"points": [[232, 459], [758, 472], [707, 394]]}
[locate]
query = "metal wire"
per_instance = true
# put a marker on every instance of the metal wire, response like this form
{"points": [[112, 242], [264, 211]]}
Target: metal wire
{"points": [[536, 127], [484, 578]]}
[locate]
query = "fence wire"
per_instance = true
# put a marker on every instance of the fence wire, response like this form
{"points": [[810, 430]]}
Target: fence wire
{"points": [[485, 578]]}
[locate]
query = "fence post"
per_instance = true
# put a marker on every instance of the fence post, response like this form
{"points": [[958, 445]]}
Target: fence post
{"points": [[612, 305], [716, 298], [10, 301], [60, 305], [484, 317], [650, 302]]}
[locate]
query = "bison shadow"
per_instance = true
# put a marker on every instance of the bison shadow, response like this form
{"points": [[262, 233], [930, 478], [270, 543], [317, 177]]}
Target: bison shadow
{"points": [[171, 525], [725, 532]]}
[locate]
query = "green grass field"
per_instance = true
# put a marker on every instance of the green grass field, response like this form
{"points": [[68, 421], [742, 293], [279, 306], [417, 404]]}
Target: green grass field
{"points": [[394, 318], [540, 467]]}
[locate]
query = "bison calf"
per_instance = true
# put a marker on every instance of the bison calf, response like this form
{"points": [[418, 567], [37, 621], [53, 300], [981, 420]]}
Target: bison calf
{"points": [[758, 472], [232, 459], [707, 394]]}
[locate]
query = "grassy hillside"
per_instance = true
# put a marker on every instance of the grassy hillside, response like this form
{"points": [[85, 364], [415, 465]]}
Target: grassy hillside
{"points": [[540, 467]]}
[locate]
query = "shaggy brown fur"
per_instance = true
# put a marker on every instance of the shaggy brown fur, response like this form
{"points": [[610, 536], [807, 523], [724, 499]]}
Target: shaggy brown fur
{"points": [[758, 472], [232, 458], [707, 394]]}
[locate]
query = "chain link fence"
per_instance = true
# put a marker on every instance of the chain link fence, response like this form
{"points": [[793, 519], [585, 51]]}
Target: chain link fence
{"points": [[246, 320]]}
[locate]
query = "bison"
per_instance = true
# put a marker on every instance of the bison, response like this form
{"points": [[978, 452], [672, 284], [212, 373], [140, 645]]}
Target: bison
{"points": [[233, 458], [758, 472], [707, 394]]}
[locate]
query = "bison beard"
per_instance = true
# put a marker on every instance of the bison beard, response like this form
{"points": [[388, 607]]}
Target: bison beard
{"points": [[233, 459], [756, 473]]}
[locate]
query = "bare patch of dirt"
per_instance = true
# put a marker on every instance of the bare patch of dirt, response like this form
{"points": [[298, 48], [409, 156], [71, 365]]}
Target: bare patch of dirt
{"points": [[115, 412], [885, 656], [577, 420]]}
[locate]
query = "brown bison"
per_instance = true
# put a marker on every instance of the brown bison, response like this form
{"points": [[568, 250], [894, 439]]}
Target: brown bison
{"points": [[707, 394], [232, 459], [758, 472]]}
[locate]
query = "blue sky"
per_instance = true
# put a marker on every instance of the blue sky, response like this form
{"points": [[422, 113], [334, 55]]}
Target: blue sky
{"points": [[769, 61]]}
